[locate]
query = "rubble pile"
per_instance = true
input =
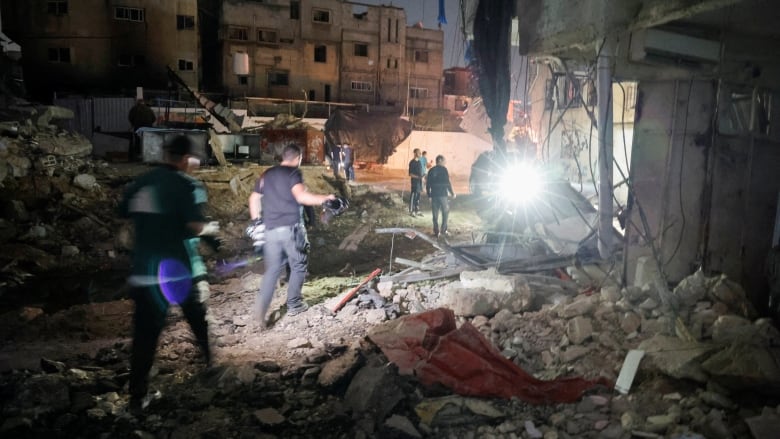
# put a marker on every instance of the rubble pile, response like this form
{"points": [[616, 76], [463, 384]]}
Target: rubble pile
{"points": [[710, 366], [54, 198], [318, 375]]}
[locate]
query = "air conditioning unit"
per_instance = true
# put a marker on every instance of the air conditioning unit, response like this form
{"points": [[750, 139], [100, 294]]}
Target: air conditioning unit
{"points": [[663, 46]]}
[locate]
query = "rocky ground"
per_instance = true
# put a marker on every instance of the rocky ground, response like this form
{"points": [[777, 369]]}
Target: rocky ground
{"points": [[710, 367]]}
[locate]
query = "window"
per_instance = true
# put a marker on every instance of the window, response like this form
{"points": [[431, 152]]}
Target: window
{"points": [[185, 65], [278, 78], [184, 22], [361, 49], [420, 56], [238, 33], [59, 54], [295, 10], [320, 54], [243, 80], [266, 36], [128, 14], [418, 93], [57, 8], [361, 86], [128, 60], [286, 40], [320, 15]]}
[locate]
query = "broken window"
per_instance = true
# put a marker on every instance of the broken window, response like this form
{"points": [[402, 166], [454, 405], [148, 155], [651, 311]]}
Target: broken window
{"points": [[185, 65], [361, 86], [361, 49], [278, 77], [320, 53], [295, 10], [128, 14], [421, 56], [745, 110], [359, 12], [129, 60], [59, 54], [238, 33], [185, 22], [266, 36], [320, 15], [57, 8], [418, 93]]}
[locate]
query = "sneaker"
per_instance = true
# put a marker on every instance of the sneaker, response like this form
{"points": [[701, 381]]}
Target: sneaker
{"points": [[298, 309]]}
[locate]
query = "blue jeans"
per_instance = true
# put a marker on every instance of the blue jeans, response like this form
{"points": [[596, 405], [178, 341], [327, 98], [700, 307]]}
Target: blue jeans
{"points": [[283, 245], [349, 171]]}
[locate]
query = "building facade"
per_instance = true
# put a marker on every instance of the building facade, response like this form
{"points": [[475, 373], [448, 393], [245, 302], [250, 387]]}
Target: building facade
{"points": [[103, 45], [329, 51]]}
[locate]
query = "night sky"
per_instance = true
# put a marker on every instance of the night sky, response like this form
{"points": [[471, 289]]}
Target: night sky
{"points": [[427, 11]]}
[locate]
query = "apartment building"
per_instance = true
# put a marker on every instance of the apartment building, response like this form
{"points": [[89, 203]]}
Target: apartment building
{"points": [[329, 50], [103, 45]]}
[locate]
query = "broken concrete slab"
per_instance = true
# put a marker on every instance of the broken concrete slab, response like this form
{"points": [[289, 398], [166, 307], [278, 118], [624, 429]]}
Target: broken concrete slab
{"points": [[473, 302], [374, 391], [455, 410], [579, 329], [677, 358], [743, 366]]}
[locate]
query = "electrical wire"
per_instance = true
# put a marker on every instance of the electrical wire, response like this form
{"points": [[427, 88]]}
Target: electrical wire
{"points": [[680, 174]]}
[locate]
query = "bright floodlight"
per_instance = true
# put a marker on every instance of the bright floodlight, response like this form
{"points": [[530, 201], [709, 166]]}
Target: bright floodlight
{"points": [[520, 183]]}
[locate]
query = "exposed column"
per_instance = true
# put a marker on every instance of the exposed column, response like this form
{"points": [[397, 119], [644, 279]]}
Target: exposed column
{"points": [[604, 92]]}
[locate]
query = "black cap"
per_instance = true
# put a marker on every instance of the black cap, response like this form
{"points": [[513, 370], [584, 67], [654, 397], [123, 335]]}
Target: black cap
{"points": [[180, 145]]}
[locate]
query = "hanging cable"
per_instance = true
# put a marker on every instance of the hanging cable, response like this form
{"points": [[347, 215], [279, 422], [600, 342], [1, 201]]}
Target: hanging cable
{"points": [[680, 174]]}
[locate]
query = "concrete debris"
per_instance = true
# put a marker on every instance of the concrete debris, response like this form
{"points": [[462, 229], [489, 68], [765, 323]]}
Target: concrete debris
{"points": [[549, 327]]}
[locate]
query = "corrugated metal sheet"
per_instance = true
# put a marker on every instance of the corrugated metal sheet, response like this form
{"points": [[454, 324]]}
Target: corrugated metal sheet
{"points": [[110, 114]]}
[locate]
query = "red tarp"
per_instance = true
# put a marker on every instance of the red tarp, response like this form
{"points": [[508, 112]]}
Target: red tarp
{"points": [[431, 347]]}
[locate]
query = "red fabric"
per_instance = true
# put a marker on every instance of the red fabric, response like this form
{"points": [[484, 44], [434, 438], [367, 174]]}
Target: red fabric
{"points": [[430, 346]]}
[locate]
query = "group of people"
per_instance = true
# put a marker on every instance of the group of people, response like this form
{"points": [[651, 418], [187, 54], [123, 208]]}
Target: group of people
{"points": [[342, 159], [165, 205], [437, 186]]}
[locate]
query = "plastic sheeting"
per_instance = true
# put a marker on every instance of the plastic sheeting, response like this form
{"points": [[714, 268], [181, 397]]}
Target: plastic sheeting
{"points": [[373, 136], [431, 347], [492, 29]]}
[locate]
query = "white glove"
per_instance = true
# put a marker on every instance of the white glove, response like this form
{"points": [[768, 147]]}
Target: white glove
{"points": [[211, 229], [203, 291]]}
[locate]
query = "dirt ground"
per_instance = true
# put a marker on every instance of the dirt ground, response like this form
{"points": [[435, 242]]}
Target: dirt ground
{"points": [[85, 308]]}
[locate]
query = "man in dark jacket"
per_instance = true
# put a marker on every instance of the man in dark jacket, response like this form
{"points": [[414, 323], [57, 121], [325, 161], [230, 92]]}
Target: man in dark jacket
{"points": [[164, 205], [438, 188], [415, 174], [140, 116]]}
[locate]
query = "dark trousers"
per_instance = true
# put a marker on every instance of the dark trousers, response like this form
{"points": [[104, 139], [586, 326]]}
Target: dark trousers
{"points": [[440, 204], [349, 171], [414, 198], [151, 309], [134, 150]]}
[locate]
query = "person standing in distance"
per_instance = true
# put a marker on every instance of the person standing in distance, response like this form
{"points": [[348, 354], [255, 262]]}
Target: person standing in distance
{"points": [[140, 116], [424, 164], [165, 209], [416, 174], [279, 194], [348, 154], [438, 187]]}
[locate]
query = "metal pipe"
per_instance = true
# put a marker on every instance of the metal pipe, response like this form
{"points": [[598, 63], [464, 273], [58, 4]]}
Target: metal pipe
{"points": [[604, 77]]}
